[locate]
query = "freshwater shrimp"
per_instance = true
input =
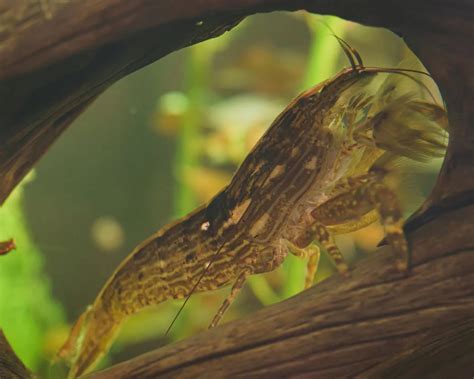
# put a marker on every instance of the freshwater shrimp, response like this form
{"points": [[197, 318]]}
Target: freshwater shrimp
{"points": [[319, 170]]}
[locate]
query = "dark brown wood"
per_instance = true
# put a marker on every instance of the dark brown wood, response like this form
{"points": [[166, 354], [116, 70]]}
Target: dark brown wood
{"points": [[10, 365], [56, 56]]}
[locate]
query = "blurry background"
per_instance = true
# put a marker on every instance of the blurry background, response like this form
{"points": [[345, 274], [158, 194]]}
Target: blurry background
{"points": [[153, 147]]}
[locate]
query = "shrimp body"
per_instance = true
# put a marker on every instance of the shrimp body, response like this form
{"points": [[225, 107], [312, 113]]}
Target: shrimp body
{"points": [[319, 170]]}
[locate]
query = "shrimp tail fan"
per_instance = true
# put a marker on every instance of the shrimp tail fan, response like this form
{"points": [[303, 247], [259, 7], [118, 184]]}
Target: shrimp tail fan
{"points": [[90, 338]]}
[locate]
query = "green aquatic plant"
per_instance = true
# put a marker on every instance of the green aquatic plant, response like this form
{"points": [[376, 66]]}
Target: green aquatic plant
{"points": [[28, 310]]}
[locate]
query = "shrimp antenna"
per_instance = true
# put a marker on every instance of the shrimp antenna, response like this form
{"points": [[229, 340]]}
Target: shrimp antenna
{"points": [[206, 269], [405, 72], [349, 51], [353, 51]]}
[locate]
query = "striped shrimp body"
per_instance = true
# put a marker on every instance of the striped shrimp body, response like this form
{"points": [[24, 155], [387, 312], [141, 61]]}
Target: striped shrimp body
{"points": [[319, 170]]}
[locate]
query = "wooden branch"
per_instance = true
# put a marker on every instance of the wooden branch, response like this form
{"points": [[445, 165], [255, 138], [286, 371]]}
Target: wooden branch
{"points": [[10, 365], [57, 56]]}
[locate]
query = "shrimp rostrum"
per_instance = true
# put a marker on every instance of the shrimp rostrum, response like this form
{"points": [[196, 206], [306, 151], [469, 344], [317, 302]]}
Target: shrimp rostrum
{"points": [[321, 169]]}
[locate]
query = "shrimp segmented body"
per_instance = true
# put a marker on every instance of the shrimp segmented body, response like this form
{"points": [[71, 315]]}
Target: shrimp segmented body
{"points": [[319, 170]]}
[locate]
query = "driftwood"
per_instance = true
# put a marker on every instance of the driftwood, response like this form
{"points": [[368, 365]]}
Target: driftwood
{"points": [[56, 56], [10, 365]]}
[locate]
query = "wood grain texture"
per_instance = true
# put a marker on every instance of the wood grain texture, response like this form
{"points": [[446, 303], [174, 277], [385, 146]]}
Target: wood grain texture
{"points": [[10, 365], [56, 56]]}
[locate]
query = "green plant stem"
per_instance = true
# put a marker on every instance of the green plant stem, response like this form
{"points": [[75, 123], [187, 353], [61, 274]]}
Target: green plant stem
{"points": [[196, 77], [27, 308], [262, 290]]}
